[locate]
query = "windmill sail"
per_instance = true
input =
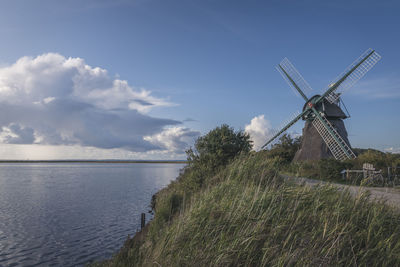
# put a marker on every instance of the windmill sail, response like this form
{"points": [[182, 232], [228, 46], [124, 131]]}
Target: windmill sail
{"points": [[339, 148], [317, 111], [293, 119], [293, 78], [352, 74]]}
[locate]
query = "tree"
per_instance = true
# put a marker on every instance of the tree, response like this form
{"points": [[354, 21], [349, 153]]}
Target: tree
{"points": [[219, 146], [286, 148]]}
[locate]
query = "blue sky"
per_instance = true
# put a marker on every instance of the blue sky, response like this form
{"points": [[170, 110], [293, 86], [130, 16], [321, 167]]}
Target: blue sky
{"points": [[202, 63]]}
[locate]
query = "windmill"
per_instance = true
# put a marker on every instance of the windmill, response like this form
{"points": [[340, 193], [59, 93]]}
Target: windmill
{"points": [[324, 133]]}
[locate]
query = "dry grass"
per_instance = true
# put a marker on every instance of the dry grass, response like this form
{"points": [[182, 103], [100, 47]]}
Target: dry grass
{"points": [[248, 216]]}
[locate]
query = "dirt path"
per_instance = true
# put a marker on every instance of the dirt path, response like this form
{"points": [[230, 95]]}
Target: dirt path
{"points": [[390, 195]]}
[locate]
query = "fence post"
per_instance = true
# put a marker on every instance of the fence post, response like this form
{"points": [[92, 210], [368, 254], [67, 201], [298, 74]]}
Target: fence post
{"points": [[143, 221]]}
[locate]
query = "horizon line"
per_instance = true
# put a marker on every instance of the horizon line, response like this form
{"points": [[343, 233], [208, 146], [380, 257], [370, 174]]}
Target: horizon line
{"points": [[92, 161]]}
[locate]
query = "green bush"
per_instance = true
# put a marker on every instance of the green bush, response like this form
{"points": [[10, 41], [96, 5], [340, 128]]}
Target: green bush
{"points": [[330, 169], [286, 148], [211, 153], [324, 169], [219, 146]]}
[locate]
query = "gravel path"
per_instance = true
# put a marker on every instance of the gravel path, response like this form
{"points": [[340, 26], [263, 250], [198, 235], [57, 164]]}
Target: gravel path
{"points": [[390, 195]]}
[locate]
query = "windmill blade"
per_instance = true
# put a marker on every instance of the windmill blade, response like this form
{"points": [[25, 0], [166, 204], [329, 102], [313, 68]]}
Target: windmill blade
{"points": [[339, 148], [293, 78], [351, 75], [293, 119]]}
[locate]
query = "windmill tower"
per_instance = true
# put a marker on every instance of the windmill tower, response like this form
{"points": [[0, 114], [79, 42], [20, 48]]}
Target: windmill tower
{"points": [[324, 133]]}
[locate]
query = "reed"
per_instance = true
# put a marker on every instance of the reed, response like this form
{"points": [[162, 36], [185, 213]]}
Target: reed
{"points": [[245, 214]]}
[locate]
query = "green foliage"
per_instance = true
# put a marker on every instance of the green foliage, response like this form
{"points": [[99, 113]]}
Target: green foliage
{"points": [[330, 169], [231, 208], [248, 216], [286, 148], [213, 151], [169, 206], [324, 169], [219, 146], [379, 159]]}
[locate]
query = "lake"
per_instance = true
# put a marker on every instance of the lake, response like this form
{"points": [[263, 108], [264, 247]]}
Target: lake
{"points": [[69, 214]]}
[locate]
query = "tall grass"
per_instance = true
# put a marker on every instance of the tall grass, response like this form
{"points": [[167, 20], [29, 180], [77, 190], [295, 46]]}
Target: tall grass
{"points": [[246, 215]]}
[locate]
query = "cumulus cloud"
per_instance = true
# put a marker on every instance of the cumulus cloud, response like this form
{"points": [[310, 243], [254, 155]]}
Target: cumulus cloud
{"points": [[54, 100], [173, 139], [15, 134], [52, 76], [259, 130]]}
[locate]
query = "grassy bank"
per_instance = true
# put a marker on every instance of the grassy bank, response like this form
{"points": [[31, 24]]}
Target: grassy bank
{"points": [[245, 214], [330, 170]]}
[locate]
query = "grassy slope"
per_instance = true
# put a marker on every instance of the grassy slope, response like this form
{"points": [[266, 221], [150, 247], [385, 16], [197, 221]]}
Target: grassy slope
{"points": [[246, 215]]}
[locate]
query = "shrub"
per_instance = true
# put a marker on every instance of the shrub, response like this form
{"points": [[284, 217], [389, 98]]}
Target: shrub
{"points": [[330, 169], [219, 146], [286, 148], [212, 151]]}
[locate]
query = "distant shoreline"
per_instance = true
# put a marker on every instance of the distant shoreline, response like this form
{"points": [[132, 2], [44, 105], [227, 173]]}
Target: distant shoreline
{"points": [[95, 161]]}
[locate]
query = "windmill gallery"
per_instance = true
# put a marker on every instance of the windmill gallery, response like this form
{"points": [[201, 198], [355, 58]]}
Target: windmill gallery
{"points": [[324, 133]]}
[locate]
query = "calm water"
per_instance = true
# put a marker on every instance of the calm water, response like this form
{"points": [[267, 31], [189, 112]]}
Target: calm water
{"points": [[71, 214]]}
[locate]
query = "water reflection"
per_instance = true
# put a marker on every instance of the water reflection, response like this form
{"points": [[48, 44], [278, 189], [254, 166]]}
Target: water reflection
{"points": [[69, 214]]}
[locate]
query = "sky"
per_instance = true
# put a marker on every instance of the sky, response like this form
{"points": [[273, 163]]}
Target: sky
{"points": [[142, 79]]}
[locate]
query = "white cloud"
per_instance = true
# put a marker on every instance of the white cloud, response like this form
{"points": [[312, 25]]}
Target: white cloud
{"points": [[15, 134], [174, 139], [53, 100], [52, 76], [259, 130]]}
